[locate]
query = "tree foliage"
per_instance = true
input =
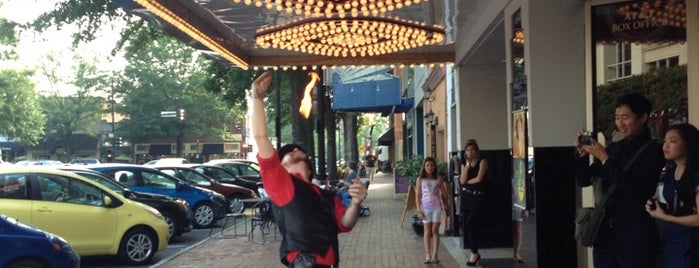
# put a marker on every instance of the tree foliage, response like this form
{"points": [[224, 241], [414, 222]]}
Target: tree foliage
{"points": [[167, 76], [665, 87], [8, 39], [21, 116], [69, 113]]}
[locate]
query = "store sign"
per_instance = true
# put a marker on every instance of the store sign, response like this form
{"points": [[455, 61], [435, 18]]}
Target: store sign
{"points": [[640, 21]]}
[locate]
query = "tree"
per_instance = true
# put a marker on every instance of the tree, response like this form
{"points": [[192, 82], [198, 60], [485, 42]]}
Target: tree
{"points": [[166, 76], [21, 116], [67, 114], [8, 39]]}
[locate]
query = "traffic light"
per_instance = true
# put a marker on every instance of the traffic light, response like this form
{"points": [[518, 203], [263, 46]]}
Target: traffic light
{"points": [[249, 148], [110, 156], [180, 114]]}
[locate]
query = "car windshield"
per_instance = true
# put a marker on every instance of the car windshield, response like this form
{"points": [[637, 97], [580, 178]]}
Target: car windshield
{"points": [[217, 173], [104, 181], [189, 176]]}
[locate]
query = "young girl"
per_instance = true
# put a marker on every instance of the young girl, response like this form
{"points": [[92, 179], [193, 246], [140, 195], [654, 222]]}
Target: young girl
{"points": [[471, 178], [681, 182], [431, 195]]}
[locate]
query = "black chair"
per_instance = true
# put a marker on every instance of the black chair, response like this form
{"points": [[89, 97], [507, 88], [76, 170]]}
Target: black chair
{"points": [[264, 221], [235, 217]]}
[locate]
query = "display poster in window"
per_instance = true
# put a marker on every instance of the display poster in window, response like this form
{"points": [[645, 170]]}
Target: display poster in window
{"points": [[519, 158]]}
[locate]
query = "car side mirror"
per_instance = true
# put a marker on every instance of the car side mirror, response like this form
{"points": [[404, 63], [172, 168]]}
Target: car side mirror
{"points": [[129, 194], [180, 185], [107, 201]]}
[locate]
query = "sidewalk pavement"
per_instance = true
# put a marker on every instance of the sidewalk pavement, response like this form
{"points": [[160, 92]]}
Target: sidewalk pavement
{"points": [[376, 241]]}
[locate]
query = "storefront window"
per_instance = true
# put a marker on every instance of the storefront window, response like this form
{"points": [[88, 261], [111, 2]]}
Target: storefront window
{"points": [[640, 46]]}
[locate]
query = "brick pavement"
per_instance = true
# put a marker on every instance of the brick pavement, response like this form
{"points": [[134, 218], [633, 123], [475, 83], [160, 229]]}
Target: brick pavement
{"points": [[376, 241]]}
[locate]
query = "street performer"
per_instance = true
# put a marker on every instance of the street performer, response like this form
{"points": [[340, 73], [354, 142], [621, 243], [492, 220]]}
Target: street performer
{"points": [[308, 217]]}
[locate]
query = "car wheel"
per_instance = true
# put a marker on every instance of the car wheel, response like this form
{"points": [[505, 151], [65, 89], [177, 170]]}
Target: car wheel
{"points": [[27, 263], [235, 204], [204, 215], [171, 225], [137, 247]]}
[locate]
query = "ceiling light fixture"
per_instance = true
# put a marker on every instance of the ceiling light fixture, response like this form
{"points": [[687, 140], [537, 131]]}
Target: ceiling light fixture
{"points": [[181, 24], [329, 7], [518, 37], [349, 37]]}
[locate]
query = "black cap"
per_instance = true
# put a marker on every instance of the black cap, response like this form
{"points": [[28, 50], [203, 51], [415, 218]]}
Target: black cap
{"points": [[288, 149]]}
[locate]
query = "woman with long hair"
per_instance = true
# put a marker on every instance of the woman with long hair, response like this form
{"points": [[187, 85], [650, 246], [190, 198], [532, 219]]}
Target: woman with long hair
{"points": [[680, 190], [472, 174], [431, 194]]}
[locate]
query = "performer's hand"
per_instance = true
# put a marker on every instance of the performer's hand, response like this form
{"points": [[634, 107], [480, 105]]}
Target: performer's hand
{"points": [[260, 86], [357, 191]]}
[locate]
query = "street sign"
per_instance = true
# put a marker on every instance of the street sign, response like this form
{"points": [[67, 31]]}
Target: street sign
{"points": [[168, 114]]}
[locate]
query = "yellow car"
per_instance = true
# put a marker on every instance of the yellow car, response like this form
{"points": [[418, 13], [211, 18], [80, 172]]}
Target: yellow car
{"points": [[91, 217]]}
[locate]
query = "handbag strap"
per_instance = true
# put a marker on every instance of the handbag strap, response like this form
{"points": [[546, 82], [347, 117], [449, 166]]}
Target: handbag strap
{"points": [[612, 187]]}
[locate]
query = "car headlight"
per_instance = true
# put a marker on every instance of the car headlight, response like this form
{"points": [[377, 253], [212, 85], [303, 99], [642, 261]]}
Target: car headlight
{"points": [[182, 204], [59, 243], [155, 212]]}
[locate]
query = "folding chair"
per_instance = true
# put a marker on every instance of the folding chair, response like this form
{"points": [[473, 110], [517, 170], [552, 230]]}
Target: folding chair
{"points": [[235, 217], [264, 221]]}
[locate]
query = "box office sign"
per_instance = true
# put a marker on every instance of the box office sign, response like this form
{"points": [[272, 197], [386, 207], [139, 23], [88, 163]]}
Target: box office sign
{"points": [[650, 21]]}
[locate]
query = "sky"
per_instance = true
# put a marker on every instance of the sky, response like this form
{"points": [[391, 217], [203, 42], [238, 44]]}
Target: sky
{"points": [[34, 47]]}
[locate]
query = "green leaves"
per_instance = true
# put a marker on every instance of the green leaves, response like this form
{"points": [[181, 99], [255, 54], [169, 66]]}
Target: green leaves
{"points": [[21, 116], [666, 88]]}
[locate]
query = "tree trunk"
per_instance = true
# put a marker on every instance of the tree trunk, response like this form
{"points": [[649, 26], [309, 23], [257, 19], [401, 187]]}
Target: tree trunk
{"points": [[350, 125], [331, 148]]}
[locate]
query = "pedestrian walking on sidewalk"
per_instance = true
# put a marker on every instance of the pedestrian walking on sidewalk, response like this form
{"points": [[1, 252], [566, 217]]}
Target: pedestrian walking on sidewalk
{"points": [[431, 197], [472, 174], [370, 165], [308, 217]]}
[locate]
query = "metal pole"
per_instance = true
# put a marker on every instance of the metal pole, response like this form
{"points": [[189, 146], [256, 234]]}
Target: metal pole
{"points": [[320, 112], [278, 117], [114, 136]]}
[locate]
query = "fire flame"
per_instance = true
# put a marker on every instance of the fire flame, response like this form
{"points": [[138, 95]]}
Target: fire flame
{"points": [[307, 101]]}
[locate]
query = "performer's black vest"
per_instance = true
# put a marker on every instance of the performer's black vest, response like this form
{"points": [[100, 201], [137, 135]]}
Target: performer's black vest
{"points": [[307, 222]]}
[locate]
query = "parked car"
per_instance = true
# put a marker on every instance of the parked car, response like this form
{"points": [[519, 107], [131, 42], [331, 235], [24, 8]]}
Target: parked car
{"points": [[233, 193], [39, 163], [245, 169], [176, 211], [223, 175], [207, 205], [84, 161], [92, 218], [170, 161], [27, 246]]}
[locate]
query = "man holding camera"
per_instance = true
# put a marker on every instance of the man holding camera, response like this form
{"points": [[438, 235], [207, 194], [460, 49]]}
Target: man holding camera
{"points": [[627, 237]]}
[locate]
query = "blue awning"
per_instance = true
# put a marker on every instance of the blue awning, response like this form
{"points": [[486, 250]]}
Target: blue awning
{"points": [[405, 105], [368, 90]]}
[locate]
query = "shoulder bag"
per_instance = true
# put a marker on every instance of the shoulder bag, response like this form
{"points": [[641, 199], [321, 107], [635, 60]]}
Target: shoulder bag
{"points": [[589, 219]]}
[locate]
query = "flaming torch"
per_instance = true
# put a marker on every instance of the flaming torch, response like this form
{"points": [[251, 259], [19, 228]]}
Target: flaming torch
{"points": [[307, 101]]}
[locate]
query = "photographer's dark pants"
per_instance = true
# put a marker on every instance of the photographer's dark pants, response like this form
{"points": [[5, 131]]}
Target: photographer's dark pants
{"points": [[471, 206]]}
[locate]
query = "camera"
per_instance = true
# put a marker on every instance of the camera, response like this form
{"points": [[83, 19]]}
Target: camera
{"points": [[584, 138]]}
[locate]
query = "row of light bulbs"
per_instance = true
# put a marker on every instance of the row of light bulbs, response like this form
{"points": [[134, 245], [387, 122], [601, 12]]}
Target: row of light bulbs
{"points": [[330, 7], [671, 12], [334, 67], [349, 37], [638, 42]]}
